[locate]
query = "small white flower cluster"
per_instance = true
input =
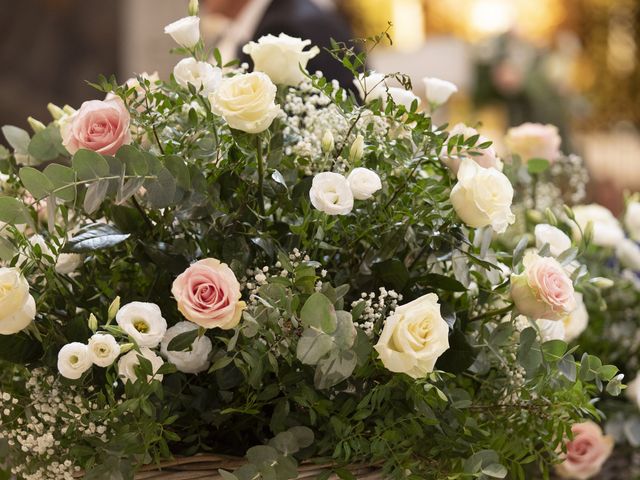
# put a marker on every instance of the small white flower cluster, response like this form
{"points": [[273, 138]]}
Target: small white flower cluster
{"points": [[38, 431], [568, 187], [256, 277], [376, 307]]}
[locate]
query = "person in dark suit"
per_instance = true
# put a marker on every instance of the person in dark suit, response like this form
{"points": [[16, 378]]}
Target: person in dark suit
{"points": [[306, 19]]}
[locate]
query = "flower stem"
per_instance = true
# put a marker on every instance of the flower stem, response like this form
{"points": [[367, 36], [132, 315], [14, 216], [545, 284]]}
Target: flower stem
{"points": [[260, 175]]}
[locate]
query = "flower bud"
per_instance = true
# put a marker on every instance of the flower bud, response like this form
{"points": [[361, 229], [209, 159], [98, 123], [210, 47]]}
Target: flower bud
{"points": [[551, 218], [36, 125], [602, 282], [125, 347], [569, 212], [327, 142], [113, 309], [56, 112], [93, 323], [535, 216], [193, 8], [68, 109], [357, 149]]}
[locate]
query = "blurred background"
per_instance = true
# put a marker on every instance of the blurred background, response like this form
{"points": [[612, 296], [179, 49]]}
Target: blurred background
{"points": [[573, 63]]}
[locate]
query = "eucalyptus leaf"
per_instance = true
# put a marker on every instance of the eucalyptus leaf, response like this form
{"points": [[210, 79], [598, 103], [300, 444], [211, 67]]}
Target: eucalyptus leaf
{"points": [[95, 236]]}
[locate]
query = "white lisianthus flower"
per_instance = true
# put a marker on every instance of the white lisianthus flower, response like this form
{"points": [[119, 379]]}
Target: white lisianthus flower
{"points": [[330, 193], [129, 361], [103, 349], [486, 157], [576, 322], [363, 183], [73, 360], [632, 220], [548, 234], [550, 330], [201, 75], [68, 263], [628, 252], [185, 32], [371, 86], [438, 91], [414, 337], [607, 231], [404, 97], [281, 57], [143, 322], [246, 102], [195, 360], [17, 306], [483, 197]]}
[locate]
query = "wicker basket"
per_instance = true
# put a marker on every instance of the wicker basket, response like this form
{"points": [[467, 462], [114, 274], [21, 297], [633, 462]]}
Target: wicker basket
{"points": [[206, 467]]}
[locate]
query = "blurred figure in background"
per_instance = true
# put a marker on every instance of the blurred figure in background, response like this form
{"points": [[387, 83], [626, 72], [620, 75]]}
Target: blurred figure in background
{"points": [[230, 24]]}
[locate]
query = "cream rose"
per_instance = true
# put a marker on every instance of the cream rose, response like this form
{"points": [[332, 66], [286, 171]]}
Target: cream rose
{"points": [[185, 32], [143, 322], [576, 322], [17, 306], [363, 183], [281, 57], [628, 252], [586, 453], [103, 349], [485, 157], [330, 193], [128, 363], [413, 337], [196, 359], [557, 240], [543, 290], [438, 91], [534, 140], [246, 102], [208, 294], [99, 125], [607, 231], [632, 220], [483, 197], [73, 360], [201, 75]]}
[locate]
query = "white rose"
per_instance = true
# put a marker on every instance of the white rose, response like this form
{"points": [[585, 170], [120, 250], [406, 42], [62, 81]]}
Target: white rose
{"points": [[68, 263], [404, 97], [550, 330], [330, 193], [195, 360], [485, 157], [438, 91], [281, 57], [73, 360], [632, 220], [199, 74], [246, 102], [534, 140], [607, 231], [483, 197], [363, 183], [576, 322], [633, 390], [371, 86], [143, 322], [413, 337], [128, 363], [185, 32], [17, 306], [628, 253], [548, 234], [103, 349]]}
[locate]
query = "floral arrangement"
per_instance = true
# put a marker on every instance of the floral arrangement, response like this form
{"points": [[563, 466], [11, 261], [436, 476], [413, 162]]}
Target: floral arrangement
{"points": [[260, 265]]}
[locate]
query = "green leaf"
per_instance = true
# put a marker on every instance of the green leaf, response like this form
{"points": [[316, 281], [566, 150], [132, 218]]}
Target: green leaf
{"points": [[319, 312], [179, 170], [495, 470], [47, 144], [7, 250], [36, 182], [554, 350], [442, 282], [220, 363], [19, 348], [607, 372], [14, 212], [345, 333], [392, 272], [312, 346], [262, 454], [63, 180], [537, 165], [183, 341], [96, 193], [89, 165], [335, 368], [568, 256], [226, 475], [17, 137], [304, 436], [518, 252], [134, 160], [161, 190], [95, 236]]}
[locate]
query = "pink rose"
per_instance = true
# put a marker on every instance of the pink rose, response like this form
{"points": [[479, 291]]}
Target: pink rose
{"points": [[534, 140], [485, 157], [99, 125], [543, 290], [208, 294], [586, 453]]}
